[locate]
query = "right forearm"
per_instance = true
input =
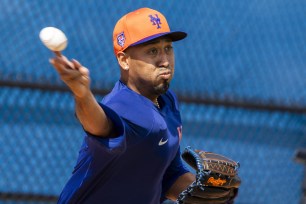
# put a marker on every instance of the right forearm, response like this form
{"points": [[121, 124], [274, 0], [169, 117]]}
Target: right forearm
{"points": [[88, 111], [92, 116]]}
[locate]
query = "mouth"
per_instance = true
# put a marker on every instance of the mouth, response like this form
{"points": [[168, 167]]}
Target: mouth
{"points": [[166, 75]]}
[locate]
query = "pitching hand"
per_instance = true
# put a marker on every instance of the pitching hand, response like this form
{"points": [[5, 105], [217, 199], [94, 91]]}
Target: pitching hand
{"points": [[73, 74]]}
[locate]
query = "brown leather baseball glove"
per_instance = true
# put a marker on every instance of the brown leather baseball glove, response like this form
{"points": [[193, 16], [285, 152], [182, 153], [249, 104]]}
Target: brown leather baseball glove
{"points": [[217, 180]]}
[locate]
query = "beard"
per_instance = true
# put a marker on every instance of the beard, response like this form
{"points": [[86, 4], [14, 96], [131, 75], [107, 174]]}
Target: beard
{"points": [[162, 88]]}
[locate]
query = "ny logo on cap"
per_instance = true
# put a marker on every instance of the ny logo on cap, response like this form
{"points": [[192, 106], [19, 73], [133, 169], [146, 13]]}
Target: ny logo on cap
{"points": [[121, 39], [155, 20]]}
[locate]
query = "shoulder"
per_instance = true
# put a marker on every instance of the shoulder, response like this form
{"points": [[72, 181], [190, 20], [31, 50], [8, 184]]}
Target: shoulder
{"points": [[171, 99], [125, 100], [132, 107]]}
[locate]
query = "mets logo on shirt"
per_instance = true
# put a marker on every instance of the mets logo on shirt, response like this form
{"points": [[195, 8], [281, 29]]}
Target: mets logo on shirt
{"points": [[121, 39], [179, 131]]}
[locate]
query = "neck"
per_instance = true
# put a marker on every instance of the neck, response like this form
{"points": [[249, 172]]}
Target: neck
{"points": [[152, 98]]}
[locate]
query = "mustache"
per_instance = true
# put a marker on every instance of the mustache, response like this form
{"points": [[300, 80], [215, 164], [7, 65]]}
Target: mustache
{"points": [[165, 68]]}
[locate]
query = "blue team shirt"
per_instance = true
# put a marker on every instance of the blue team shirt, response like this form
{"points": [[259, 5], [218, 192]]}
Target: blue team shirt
{"points": [[139, 165]]}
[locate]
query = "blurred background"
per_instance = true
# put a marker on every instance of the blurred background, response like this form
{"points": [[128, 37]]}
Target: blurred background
{"points": [[240, 77]]}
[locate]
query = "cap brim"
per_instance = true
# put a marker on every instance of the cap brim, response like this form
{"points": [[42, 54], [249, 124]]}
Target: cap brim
{"points": [[174, 36]]}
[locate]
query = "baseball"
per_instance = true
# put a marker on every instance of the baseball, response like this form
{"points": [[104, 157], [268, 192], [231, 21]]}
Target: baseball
{"points": [[53, 38]]}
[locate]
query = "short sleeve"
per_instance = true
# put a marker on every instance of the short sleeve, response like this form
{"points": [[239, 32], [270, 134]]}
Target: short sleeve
{"points": [[116, 142]]}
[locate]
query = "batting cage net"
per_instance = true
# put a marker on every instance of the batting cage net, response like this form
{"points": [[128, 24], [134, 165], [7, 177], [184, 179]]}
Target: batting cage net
{"points": [[240, 77]]}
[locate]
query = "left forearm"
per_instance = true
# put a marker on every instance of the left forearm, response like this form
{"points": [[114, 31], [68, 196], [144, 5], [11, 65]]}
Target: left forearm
{"points": [[180, 185]]}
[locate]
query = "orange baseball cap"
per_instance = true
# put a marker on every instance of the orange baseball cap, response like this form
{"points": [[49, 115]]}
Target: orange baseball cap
{"points": [[140, 26]]}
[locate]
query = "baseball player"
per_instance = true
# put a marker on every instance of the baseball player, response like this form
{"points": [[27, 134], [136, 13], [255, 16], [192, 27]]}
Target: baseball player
{"points": [[131, 151]]}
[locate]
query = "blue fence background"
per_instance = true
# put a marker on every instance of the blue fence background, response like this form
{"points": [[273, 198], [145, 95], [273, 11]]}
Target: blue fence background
{"points": [[243, 65]]}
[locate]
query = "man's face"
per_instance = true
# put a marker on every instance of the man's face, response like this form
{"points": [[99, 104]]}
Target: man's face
{"points": [[151, 66]]}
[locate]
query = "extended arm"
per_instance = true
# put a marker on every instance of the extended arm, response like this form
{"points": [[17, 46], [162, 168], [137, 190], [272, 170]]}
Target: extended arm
{"points": [[88, 111]]}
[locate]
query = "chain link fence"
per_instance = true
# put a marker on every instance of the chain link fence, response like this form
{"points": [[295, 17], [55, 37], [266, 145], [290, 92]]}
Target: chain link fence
{"points": [[240, 77]]}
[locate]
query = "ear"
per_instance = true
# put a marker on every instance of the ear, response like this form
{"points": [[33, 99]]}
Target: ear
{"points": [[123, 60]]}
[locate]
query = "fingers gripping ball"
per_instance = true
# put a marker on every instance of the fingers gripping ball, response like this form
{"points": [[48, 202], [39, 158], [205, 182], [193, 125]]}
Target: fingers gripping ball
{"points": [[53, 38], [217, 179]]}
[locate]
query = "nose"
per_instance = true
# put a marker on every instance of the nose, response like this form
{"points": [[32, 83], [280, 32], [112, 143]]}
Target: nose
{"points": [[164, 60]]}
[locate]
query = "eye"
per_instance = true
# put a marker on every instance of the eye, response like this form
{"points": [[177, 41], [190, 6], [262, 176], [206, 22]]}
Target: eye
{"points": [[169, 49], [153, 51]]}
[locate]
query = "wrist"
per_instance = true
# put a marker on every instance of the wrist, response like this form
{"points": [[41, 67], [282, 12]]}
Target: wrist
{"points": [[84, 97]]}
